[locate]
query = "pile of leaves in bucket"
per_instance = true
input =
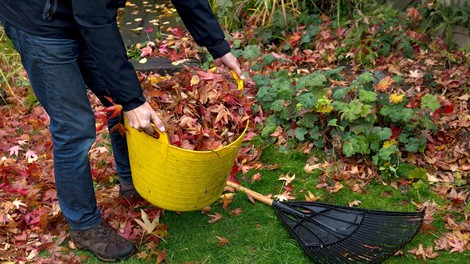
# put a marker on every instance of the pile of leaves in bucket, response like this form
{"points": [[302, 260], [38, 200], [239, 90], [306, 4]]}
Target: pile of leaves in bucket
{"points": [[202, 110]]}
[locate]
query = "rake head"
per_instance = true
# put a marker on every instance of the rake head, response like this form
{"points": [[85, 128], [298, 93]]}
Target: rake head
{"points": [[337, 234]]}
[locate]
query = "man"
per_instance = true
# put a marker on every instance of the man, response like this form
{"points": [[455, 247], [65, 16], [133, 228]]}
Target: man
{"points": [[68, 46]]}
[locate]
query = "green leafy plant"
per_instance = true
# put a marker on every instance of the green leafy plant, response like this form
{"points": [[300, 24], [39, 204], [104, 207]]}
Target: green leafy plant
{"points": [[379, 33], [10, 71], [439, 17], [367, 122]]}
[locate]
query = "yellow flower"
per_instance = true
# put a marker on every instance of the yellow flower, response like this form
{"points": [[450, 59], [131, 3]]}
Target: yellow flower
{"points": [[396, 98], [325, 109], [389, 143]]}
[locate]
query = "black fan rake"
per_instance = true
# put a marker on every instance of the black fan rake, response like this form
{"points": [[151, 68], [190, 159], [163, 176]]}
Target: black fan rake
{"points": [[333, 234]]}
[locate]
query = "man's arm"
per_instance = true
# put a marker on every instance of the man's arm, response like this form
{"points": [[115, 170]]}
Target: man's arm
{"points": [[201, 22]]}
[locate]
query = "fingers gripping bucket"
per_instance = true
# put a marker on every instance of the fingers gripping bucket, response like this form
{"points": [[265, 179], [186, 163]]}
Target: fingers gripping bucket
{"points": [[177, 179]]}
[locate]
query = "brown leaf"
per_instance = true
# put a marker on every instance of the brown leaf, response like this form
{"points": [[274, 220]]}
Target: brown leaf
{"points": [[256, 177], [227, 198], [222, 240], [214, 218], [236, 211], [359, 188], [424, 253], [161, 256], [384, 83]]}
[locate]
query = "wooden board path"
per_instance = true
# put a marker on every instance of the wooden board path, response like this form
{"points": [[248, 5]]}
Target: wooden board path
{"points": [[140, 22]]}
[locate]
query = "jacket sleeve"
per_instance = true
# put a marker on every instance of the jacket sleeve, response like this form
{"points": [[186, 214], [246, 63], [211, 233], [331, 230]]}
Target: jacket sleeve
{"points": [[97, 24], [201, 22]]}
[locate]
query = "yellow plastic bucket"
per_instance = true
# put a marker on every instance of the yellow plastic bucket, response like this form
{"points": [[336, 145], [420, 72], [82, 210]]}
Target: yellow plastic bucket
{"points": [[177, 179]]}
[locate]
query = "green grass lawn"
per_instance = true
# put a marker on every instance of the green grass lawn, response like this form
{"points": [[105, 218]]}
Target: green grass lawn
{"points": [[257, 236]]}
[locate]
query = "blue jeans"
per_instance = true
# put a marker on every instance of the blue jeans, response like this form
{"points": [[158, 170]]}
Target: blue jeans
{"points": [[60, 71]]}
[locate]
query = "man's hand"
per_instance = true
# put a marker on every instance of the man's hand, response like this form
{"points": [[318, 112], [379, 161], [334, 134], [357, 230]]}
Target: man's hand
{"points": [[142, 118], [231, 62]]}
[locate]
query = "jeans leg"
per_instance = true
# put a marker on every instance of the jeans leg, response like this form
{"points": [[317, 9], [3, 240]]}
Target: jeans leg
{"points": [[96, 84], [56, 79]]}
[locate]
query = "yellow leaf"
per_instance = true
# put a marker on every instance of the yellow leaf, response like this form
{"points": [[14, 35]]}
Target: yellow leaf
{"points": [[287, 178], [309, 168], [146, 224], [311, 197], [338, 186], [354, 203], [396, 98], [389, 143], [142, 61], [194, 80], [18, 203], [153, 80], [138, 29], [325, 109]]}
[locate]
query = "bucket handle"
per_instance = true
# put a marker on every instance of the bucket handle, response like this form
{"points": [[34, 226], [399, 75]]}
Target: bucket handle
{"points": [[162, 137], [235, 76]]}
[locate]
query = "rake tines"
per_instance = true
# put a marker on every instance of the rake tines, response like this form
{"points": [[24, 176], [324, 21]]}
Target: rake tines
{"points": [[336, 234]]}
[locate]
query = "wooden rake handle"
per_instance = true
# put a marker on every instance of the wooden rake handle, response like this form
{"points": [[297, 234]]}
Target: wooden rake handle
{"points": [[255, 195]]}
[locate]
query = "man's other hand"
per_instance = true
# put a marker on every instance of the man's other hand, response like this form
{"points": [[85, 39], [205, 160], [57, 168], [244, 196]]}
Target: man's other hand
{"points": [[229, 61]]}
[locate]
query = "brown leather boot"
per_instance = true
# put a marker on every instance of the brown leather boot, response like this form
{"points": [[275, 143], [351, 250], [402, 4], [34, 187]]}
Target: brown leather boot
{"points": [[104, 243]]}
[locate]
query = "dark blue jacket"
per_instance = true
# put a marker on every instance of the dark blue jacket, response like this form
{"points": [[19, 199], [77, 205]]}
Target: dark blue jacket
{"points": [[94, 21]]}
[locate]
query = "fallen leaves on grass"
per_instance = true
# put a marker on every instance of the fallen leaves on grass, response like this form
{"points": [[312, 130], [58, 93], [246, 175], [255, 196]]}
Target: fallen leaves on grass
{"points": [[285, 196], [227, 198], [424, 253], [222, 240], [214, 218], [146, 224], [287, 178], [310, 197], [236, 211]]}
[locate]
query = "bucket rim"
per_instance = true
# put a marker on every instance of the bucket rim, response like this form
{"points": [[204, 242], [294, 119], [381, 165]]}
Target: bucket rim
{"points": [[233, 144]]}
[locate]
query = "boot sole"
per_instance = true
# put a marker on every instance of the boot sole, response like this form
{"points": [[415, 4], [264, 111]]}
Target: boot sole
{"points": [[103, 258]]}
